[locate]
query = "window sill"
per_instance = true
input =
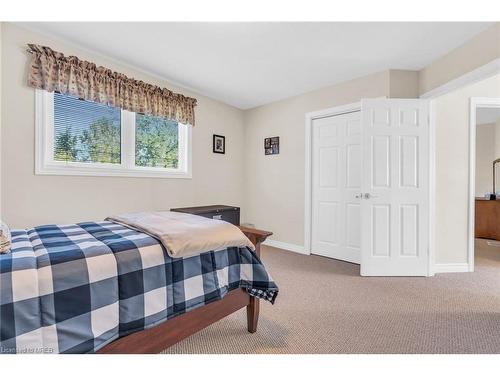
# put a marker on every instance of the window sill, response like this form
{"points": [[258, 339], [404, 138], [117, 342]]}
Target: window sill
{"points": [[105, 171]]}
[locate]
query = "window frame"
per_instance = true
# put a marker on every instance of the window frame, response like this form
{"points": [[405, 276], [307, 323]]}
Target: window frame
{"points": [[44, 148]]}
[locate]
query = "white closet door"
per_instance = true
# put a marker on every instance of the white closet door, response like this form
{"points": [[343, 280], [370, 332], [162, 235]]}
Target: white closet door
{"points": [[395, 204], [336, 187]]}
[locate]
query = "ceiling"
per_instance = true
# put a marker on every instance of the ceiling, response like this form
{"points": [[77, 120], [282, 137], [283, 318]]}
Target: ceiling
{"points": [[487, 115], [250, 64]]}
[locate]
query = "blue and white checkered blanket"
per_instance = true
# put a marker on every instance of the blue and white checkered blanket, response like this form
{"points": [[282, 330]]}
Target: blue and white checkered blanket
{"points": [[75, 288]]}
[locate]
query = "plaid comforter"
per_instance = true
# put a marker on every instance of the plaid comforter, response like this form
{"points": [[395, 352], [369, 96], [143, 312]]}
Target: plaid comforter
{"points": [[75, 288]]}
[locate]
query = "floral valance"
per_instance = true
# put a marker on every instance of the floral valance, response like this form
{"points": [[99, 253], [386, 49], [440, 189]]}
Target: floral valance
{"points": [[52, 71]]}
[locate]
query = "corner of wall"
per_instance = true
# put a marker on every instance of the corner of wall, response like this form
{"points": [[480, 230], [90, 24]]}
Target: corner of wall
{"points": [[476, 52], [403, 83]]}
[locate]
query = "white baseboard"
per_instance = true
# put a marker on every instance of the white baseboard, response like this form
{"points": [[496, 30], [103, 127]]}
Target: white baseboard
{"points": [[286, 246], [451, 267], [438, 268]]}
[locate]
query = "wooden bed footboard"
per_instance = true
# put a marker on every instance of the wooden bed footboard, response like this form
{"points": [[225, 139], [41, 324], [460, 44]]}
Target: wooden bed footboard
{"points": [[164, 335]]}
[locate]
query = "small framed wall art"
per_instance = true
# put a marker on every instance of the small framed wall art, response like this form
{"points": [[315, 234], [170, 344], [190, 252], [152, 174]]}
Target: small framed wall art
{"points": [[219, 144], [272, 145]]}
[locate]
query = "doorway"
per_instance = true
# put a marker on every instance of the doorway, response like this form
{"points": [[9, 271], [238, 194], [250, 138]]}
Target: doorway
{"points": [[484, 189]]}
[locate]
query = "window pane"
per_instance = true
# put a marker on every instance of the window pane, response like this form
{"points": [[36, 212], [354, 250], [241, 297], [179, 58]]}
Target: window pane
{"points": [[156, 142], [86, 131]]}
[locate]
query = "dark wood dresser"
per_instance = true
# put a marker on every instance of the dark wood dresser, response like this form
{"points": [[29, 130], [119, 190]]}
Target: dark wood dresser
{"points": [[487, 219], [230, 214]]}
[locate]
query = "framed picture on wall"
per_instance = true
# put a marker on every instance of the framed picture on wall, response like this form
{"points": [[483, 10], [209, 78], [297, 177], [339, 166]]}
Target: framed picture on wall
{"points": [[219, 144], [272, 146]]}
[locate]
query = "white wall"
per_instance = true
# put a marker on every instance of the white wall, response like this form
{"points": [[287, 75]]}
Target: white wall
{"points": [[403, 83], [274, 187], [480, 50], [452, 168], [29, 200], [485, 154]]}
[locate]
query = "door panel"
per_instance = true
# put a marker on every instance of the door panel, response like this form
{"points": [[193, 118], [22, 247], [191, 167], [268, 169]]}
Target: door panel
{"points": [[408, 148], [353, 153], [409, 229], [353, 217], [380, 159], [328, 164], [336, 183], [381, 221], [328, 213], [395, 186]]}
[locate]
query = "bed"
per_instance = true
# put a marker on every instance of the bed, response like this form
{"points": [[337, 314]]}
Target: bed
{"points": [[101, 287]]}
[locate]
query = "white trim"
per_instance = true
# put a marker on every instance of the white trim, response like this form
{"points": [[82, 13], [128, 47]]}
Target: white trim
{"points": [[286, 246], [475, 103], [309, 117], [46, 165], [308, 185], [476, 75], [432, 188], [451, 267], [472, 185]]}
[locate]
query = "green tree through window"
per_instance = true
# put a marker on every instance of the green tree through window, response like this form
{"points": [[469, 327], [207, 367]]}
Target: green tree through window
{"points": [[101, 142], [156, 142], [65, 146]]}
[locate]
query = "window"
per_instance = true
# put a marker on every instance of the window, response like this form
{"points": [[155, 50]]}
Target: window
{"points": [[79, 137], [86, 131]]}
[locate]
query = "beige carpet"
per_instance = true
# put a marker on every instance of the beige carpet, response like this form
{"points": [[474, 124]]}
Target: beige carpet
{"points": [[324, 306]]}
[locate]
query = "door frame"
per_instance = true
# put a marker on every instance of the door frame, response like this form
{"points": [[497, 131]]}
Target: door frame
{"points": [[475, 104], [310, 116]]}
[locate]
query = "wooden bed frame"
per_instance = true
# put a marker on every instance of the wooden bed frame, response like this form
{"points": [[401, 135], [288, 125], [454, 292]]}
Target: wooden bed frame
{"points": [[164, 335]]}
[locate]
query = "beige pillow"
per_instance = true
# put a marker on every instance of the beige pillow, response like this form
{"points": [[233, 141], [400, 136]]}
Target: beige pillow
{"points": [[4, 238]]}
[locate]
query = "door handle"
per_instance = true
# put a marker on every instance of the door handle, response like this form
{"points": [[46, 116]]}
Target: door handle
{"points": [[369, 196], [359, 196]]}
